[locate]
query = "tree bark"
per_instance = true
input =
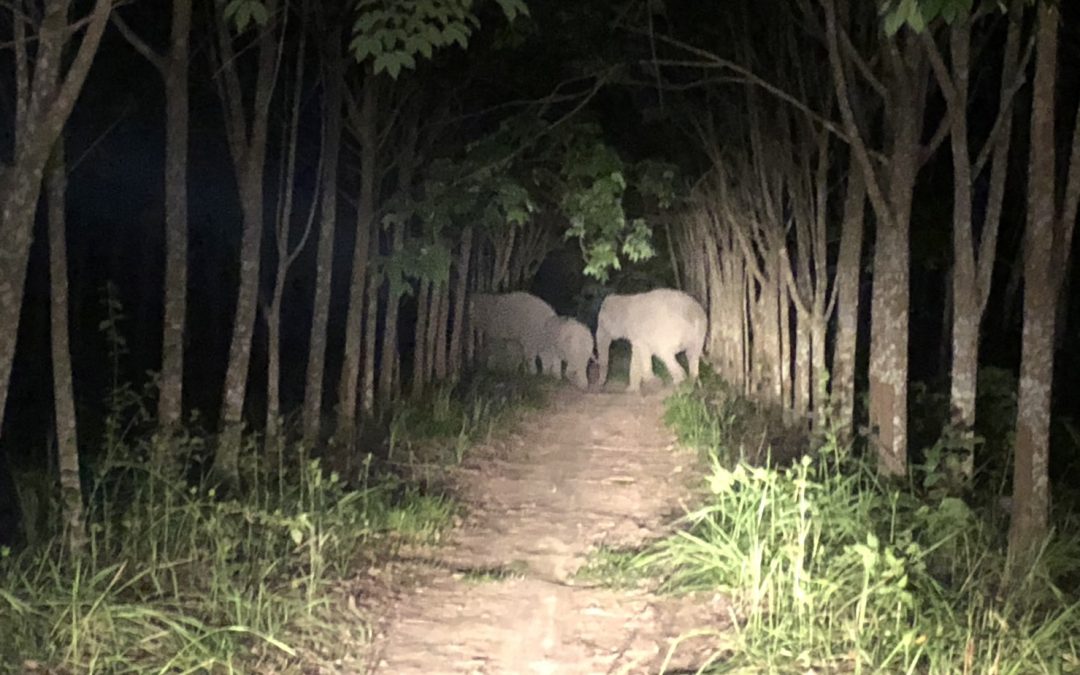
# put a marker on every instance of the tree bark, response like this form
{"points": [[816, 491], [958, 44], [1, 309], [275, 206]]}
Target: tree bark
{"points": [[848, 267], [420, 352], [173, 68], [973, 257], [324, 258], [371, 315], [390, 356], [442, 331], [287, 254], [1047, 241], [461, 291], [247, 144], [43, 102], [63, 389], [891, 192], [350, 370]]}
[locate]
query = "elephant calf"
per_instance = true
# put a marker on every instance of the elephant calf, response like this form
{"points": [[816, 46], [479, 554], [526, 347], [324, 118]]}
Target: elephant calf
{"points": [[661, 323], [571, 341], [514, 316]]}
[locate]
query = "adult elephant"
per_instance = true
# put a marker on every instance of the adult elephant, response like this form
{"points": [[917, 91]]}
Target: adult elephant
{"points": [[516, 316], [570, 341], [661, 323]]}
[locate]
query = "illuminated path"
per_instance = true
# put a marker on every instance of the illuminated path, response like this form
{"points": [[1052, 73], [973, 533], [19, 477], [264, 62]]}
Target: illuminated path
{"points": [[590, 470]]}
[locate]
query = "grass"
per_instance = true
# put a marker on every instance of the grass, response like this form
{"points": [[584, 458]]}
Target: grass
{"points": [[179, 579], [830, 570]]}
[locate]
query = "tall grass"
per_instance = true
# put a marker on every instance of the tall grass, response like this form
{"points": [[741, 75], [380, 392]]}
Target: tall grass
{"points": [[830, 570], [179, 579]]}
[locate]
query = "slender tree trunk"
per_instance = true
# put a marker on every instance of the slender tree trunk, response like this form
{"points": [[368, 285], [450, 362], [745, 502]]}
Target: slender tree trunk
{"points": [[848, 266], [371, 323], [63, 389], [43, 102], [247, 142], [286, 254], [1031, 476], [350, 370], [442, 331], [420, 353], [170, 400], [461, 290], [324, 257], [390, 356], [432, 338]]}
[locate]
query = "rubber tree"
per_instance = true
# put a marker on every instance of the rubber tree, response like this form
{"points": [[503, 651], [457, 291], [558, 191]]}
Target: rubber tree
{"points": [[46, 86]]}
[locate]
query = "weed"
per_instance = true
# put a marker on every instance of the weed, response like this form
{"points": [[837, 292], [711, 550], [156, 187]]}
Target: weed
{"points": [[829, 569]]}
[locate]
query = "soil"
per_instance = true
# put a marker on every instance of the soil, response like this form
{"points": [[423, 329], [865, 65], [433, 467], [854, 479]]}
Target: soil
{"points": [[501, 596]]}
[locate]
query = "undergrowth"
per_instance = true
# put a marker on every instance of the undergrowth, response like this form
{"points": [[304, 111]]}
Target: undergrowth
{"points": [[831, 570], [179, 579]]}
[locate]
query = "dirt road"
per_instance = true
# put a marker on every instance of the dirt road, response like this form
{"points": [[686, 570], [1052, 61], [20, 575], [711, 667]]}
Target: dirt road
{"points": [[592, 469]]}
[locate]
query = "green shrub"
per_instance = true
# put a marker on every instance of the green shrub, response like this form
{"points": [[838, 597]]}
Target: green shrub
{"points": [[829, 569]]}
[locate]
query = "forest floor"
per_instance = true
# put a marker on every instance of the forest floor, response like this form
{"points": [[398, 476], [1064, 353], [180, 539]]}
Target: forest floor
{"points": [[502, 594]]}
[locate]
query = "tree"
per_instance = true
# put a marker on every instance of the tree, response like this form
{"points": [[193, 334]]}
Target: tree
{"points": [[44, 96], [247, 132], [890, 186], [1047, 242], [974, 254], [67, 442], [173, 68], [287, 252], [332, 68]]}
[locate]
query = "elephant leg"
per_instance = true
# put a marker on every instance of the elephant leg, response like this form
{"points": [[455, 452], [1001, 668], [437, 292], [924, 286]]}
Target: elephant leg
{"points": [[673, 367], [693, 359], [551, 364], [640, 366]]}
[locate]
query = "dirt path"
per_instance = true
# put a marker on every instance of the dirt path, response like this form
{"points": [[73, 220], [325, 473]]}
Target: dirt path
{"points": [[589, 470]]}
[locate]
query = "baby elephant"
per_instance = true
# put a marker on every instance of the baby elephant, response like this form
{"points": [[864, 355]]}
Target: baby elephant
{"points": [[661, 323], [567, 340]]}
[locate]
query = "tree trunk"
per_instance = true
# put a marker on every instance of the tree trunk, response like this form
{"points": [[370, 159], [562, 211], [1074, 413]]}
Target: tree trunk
{"points": [[420, 353], [350, 369], [248, 147], [170, 400], [286, 254], [442, 331], [43, 102], [432, 338], [461, 291], [324, 257], [848, 266], [371, 324], [1031, 477], [63, 389], [390, 356]]}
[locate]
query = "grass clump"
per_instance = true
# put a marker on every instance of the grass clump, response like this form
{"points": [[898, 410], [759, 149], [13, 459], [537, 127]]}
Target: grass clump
{"points": [[830, 569], [179, 578], [438, 427]]}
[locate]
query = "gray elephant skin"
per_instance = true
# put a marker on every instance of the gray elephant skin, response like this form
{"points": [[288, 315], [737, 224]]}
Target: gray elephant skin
{"points": [[661, 323], [570, 341], [517, 316]]}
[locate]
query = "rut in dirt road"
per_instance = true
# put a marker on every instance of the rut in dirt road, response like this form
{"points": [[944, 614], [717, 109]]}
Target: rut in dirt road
{"points": [[591, 469]]}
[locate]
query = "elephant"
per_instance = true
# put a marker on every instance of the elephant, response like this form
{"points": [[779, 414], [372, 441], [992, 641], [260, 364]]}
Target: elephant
{"points": [[661, 323], [514, 316], [568, 340]]}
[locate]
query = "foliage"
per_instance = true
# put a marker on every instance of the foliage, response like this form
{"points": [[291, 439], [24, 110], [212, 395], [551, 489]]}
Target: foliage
{"points": [[595, 183], [179, 579], [831, 570], [392, 33]]}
